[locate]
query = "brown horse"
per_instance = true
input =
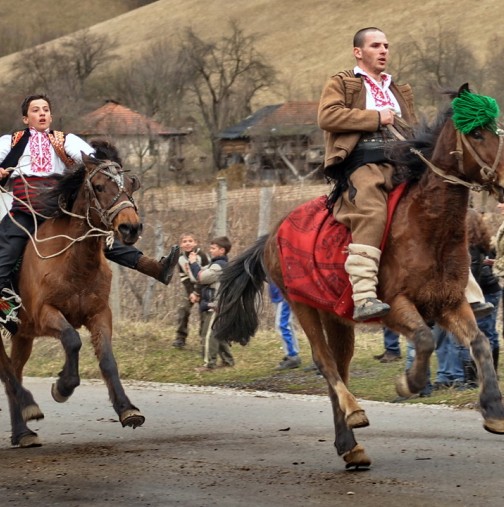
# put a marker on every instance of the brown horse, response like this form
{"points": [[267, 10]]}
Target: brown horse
{"points": [[423, 274], [64, 284]]}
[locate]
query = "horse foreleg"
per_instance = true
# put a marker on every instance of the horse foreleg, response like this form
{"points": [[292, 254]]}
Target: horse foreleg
{"points": [[462, 325], [100, 327], [347, 412], [405, 319]]}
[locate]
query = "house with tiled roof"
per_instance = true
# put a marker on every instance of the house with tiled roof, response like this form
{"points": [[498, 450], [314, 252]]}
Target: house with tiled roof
{"points": [[135, 135], [284, 139]]}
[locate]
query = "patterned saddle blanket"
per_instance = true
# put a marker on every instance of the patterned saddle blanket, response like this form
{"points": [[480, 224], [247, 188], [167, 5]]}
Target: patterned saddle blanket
{"points": [[313, 251]]}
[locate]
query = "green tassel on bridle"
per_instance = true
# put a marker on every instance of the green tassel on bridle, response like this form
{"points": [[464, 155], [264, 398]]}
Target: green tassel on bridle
{"points": [[471, 111]]}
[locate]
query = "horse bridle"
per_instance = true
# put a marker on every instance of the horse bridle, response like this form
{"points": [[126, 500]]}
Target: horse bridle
{"points": [[116, 173], [488, 174]]}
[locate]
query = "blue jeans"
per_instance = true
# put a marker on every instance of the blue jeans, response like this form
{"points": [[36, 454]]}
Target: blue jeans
{"points": [[391, 341], [283, 324], [450, 368], [487, 325]]}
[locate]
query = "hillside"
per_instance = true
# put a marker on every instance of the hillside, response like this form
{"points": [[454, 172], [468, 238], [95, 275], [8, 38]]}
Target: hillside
{"points": [[304, 41]]}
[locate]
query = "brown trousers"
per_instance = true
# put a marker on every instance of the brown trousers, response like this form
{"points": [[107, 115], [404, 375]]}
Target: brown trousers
{"points": [[366, 215]]}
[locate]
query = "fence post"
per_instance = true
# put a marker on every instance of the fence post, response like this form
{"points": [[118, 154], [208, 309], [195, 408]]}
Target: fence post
{"points": [[221, 216], [265, 198]]}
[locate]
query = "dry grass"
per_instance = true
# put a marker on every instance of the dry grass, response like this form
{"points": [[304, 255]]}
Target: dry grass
{"points": [[305, 41], [144, 352]]}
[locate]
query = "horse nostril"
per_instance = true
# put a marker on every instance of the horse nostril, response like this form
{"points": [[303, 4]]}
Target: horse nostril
{"points": [[130, 230]]}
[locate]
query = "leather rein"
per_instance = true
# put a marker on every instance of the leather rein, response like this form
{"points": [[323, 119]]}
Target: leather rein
{"points": [[488, 174]]}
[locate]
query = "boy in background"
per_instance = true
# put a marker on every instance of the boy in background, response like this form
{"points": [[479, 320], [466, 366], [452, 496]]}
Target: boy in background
{"points": [[208, 282], [188, 244]]}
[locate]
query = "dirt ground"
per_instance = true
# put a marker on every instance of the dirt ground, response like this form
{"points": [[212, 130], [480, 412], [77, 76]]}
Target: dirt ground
{"points": [[225, 447]]}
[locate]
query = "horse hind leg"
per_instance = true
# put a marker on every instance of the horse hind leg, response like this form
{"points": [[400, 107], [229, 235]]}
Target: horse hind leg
{"points": [[21, 405], [330, 355]]}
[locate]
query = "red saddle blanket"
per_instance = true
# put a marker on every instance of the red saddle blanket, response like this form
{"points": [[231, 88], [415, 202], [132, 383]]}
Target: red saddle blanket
{"points": [[313, 251]]}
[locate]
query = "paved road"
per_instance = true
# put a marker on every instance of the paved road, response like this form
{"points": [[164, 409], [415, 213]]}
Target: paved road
{"points": [[204, 447]]}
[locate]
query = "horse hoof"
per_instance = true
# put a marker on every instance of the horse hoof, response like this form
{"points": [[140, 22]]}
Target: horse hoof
{"points": [[402, 387], [57, 396], [494, 426], [132, 418], [32, 412], [357, 458], [357, 419], [31, 440]]}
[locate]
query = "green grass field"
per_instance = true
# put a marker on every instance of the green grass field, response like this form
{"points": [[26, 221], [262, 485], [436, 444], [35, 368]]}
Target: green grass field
{"points": [[144, 352]]}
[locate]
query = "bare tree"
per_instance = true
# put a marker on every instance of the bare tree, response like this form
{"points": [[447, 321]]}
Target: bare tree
{"points": [[62, 71], [438, 62], [226, 74], [153, 84]]}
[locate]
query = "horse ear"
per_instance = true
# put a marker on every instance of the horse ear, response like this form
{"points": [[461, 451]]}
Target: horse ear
{"points": [[136, 182], [87, 158], [464, 88]]}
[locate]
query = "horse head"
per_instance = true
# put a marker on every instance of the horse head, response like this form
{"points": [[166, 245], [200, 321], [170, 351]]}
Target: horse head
{"points": [[471, 147], [110, 193]]}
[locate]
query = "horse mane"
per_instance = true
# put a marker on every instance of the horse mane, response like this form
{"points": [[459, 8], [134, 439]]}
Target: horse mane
{"points": [[409, 166], [62, 196]]}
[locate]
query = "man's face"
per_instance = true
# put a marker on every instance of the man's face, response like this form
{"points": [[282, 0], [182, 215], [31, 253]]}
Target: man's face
{"points": [[373, 55], [39, 115], [187, 244]]}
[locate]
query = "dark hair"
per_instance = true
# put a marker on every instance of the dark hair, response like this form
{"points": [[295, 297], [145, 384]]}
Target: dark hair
{"points": [[222, 242], [358, 40], [26, 102]]}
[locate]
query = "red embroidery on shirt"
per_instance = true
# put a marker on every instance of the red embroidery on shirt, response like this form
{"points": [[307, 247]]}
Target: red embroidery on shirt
{"points": [[40, 152], [381, 96]]}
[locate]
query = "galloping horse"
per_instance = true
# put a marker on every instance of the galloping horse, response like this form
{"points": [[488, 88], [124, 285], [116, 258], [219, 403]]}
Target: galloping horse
{"points": [[64, 283], [422, 276]]}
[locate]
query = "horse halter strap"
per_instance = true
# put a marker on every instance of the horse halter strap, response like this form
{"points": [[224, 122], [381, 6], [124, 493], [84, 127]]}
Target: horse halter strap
{"points": [[115, 172], [487, 173]]}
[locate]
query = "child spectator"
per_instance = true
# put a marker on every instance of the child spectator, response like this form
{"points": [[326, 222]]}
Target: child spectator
{"points": [[208, 281], [188, 244]]}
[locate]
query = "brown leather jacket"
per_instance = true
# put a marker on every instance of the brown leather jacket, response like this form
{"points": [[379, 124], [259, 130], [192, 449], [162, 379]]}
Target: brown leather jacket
{"points": [[344, 118]]}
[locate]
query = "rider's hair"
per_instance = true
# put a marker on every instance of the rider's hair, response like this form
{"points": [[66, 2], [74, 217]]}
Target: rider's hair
{"points": [[26, 102], [358, 40]]}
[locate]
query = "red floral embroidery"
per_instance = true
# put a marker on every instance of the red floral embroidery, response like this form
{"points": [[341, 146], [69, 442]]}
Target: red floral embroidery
{"points": [[381, 96], [40, 152]]}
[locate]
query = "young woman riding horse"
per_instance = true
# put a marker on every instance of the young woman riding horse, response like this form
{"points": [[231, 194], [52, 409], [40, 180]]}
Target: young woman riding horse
{"points": [[65, 283], [423, 273]]}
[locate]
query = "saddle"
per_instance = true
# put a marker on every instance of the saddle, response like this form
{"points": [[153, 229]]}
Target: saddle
{"points": [[313, 251]]}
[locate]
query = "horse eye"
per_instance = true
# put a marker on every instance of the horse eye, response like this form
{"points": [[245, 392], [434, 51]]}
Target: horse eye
{"points": [[477, 134], [99, 188]]}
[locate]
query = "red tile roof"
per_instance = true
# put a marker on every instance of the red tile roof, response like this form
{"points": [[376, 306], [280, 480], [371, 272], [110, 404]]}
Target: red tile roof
{"points": [[114, 118], [292, 113]]}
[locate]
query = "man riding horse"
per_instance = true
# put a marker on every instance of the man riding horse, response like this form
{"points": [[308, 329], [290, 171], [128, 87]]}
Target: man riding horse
{"points": [[30, 159]]}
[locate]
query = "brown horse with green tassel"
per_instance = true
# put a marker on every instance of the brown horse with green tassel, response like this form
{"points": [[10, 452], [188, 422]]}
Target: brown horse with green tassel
{"points": [[423, 272]]}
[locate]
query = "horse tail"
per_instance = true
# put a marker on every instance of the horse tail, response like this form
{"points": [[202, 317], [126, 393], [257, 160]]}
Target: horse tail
{"points": [[239, 298]]}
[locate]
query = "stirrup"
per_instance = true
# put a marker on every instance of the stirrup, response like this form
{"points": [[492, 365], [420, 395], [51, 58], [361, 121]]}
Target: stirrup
{"points": [[370, 308]]}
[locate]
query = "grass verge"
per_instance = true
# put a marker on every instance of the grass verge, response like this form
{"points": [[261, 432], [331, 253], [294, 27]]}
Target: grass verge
{"points": [[143, 352]]}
